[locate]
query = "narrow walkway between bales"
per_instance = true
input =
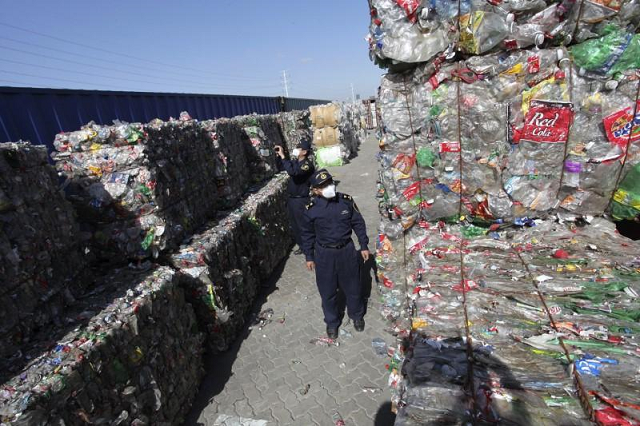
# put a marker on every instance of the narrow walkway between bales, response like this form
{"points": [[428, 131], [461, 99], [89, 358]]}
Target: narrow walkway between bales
{"points": [[273, 375]]}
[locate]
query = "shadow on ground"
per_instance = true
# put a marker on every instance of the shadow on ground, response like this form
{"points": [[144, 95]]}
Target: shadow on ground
{"points": [[219, 366], [384, 416]]}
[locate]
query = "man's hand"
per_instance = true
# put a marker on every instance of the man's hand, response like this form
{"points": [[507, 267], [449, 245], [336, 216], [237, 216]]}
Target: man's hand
{"points": [[365, 255], [311, 265], [279, 151]]}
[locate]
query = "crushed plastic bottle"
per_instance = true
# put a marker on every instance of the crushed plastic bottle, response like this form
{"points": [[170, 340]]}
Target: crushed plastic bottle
{"points": [[379, 346], [324, 341], [413, 32]]}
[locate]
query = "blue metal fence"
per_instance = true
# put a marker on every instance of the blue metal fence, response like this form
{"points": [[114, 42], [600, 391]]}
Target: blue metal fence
{"points": [[38, 115], [293, 104]]}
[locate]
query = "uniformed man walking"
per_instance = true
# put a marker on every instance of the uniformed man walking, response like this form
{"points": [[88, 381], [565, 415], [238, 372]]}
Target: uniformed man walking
{"points": [[300, 168], [329, 220]]}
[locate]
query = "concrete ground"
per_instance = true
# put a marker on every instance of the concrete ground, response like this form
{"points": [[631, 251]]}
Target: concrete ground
{"points": [[274, 375]]}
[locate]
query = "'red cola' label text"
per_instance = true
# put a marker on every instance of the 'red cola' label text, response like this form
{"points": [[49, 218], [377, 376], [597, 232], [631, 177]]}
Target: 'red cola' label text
{"points": [[547, 122]]}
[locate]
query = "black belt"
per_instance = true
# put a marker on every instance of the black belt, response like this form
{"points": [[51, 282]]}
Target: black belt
{"points": [[334, 246], [298, 196]]}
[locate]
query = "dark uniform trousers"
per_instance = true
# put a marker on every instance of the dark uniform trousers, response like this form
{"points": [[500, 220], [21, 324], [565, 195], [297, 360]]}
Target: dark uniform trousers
{"points": [[298, 190], [296, 208], [326, 240], [339, 268]]}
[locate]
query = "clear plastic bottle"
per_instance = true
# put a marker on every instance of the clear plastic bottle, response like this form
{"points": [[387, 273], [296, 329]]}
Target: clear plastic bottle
{"points": [[572, 173]]}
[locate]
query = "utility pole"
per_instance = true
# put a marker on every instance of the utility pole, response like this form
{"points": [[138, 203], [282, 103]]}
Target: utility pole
{"points": [[353, 94], [286, 85]]}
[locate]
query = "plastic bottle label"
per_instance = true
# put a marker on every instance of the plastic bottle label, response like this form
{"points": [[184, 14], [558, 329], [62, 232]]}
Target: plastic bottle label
{"points": [[547, 122], [411, 192], [618, 126], [609, 4], [469, 25], [450, 147], [410, 8], [533, 64]]}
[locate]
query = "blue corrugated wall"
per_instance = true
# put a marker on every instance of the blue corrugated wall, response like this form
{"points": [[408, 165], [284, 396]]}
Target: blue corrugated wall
{"points": [[37, 115]]}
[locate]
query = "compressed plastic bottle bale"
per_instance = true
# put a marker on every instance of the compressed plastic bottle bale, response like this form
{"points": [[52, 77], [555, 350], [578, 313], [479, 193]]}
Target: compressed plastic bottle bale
{"points": [[326, 137], [409, 31], [43, 254], [325, 115], [264, 133], [140, 188], [579, 285], [519, 367], [131, 338], [330, 156], [350, 134], [395, 36], [223, 264], [590, 172], [295, 127], [514, 136], [499, 127], [232, 177]]}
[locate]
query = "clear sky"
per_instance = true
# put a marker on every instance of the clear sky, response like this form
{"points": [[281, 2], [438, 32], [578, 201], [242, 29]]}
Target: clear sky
{"points": [[194, 46]]}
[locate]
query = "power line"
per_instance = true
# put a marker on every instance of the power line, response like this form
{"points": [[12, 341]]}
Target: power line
{"points": [[86, 63], [76, 71], [102, 75], [23, 74], [311, 86], [187, 83], [137, 58], [304, 89], [13, 81], [95, 58]]}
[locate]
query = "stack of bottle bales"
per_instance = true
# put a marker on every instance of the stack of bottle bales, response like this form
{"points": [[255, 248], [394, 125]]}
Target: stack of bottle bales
{"points": [[328, 138], [507, 129]]}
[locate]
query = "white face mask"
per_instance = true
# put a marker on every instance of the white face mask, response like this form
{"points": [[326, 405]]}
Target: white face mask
{"points": [[296, 152], [329, 191]]}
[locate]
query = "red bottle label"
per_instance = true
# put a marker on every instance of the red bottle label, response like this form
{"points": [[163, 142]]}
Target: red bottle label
{"points": [[533, 64], [619, 125], [450, 147], [411, 191], [410, 8], [547, 122]]}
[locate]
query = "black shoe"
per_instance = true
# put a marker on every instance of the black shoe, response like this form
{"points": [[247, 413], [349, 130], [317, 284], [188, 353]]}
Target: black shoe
{"points": [[297, 252], [332, 333], [358, 324]]}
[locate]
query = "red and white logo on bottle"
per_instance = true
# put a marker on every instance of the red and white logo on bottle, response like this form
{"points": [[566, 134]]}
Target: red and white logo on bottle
{"points": [[411, 8], [533, 64], [547, 122], [450, 147], [621, 127]]}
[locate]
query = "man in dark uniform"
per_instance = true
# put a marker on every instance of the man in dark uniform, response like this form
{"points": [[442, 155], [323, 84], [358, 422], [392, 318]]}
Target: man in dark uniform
{"points": [[330, 218], [300, 168]]}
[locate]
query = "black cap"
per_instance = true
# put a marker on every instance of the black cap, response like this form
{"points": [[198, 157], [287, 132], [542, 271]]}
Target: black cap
{"points": [[305, 144], [320, 177]]}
